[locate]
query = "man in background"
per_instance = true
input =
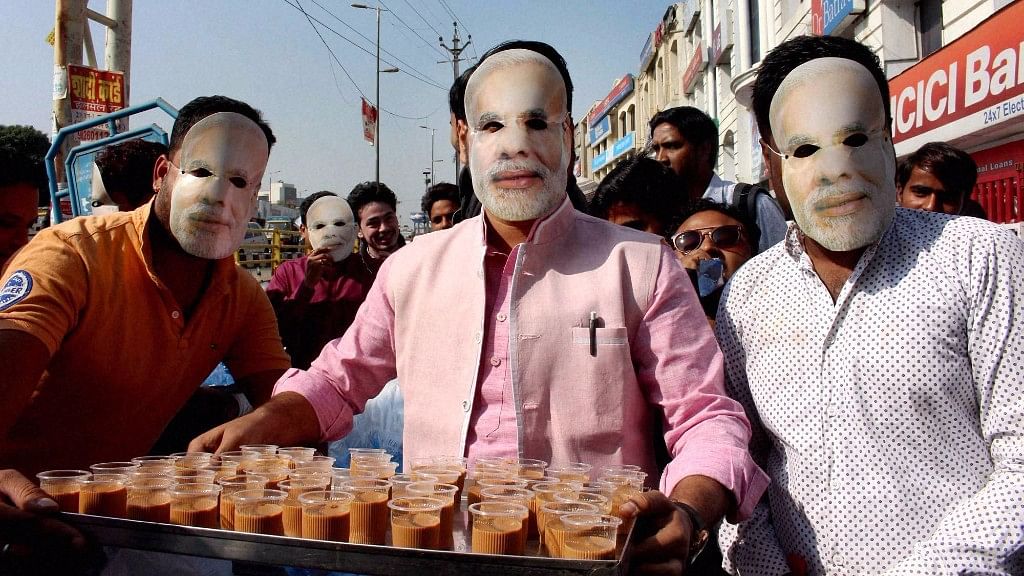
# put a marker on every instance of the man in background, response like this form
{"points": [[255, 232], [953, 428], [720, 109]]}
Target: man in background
{"points": [[23, 183], [123, 175], [440, 203], [686, 140], [375, 206], [937, 177]]}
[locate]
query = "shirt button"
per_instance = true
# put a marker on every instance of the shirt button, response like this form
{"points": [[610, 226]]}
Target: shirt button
{"points": [[502, 316], [495, 361], [477, 338], [465, 405], [175, 314]]}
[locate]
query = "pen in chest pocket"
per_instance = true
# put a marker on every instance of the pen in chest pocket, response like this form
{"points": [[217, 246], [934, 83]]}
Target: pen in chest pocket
{"points": [[593, 333]]}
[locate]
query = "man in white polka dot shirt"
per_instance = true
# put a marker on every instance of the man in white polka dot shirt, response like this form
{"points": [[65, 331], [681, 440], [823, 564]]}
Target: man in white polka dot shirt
{"points": [[878, 351]]}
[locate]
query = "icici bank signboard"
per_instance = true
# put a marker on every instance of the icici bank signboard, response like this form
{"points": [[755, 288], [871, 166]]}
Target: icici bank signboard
{"points": [[975, 82]]}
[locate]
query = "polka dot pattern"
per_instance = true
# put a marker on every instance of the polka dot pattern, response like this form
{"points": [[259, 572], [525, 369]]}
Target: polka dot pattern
{"points": [[892, 420]]}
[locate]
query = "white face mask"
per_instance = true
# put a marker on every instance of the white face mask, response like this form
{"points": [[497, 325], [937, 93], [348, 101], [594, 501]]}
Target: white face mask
{"points": [[838, 162], [331, 224], [222, 159], [100, 199], [519, 151]]}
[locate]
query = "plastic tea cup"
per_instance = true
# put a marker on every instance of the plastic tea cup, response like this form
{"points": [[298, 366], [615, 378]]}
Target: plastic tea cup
{"points": [[416, 522], [325, 514], [445, 493], [498, 528], [149, 498], [259, 511], [196, 504], [104, 495], [63, 486]]}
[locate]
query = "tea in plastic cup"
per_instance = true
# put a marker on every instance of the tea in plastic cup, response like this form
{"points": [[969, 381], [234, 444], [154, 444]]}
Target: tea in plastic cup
{"points": [[114, 468], [325, 463], [191, 459], [603, 503], [229, 486], [193, 476], [297, 453], [104, 495], [576, 471], [155, 464], [517, 496], [530, 468], [294, 488], [307, 473], [259, 448], [445, 493], [259, 511], [375, 469], [196, 505], [149, 499], [273, 469], [400, 482], [339, 476], [498, 528], [456, 463], [416, 522], [63, 486], [360, 456], [624, 485], [552, 531], [326, 514], [589, 536], [240, 457], [368, 519], [221, 469]]}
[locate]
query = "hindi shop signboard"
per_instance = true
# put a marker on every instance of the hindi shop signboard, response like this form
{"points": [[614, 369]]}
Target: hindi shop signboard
{"points": [[697, 65], [94, 93], [972, 84], [621, 89], [601, 130]]}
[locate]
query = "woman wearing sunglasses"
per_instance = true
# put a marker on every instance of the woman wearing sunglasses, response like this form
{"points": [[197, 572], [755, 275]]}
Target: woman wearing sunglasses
{"points": [[711, 242]]}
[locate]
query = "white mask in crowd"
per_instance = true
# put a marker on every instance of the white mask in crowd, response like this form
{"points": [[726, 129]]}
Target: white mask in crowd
{"points": [[838, 162], [222, 159], [98, 196], [518, 124], [331, 224]]}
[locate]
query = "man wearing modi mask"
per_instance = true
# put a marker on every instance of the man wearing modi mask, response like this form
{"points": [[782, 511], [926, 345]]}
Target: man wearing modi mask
{"points": [[565, 345], [316, 296], [108, 324], [876, 350]]}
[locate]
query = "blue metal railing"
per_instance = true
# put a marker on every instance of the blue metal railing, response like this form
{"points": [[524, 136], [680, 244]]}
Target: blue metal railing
{"points": [[115, 137]]}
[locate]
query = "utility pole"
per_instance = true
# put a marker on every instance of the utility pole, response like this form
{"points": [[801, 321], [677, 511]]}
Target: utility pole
{"points": [[456, 53]]}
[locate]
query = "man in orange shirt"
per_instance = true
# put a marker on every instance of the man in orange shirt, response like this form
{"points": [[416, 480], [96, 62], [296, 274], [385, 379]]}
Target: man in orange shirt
{"points": [[108, 324]]}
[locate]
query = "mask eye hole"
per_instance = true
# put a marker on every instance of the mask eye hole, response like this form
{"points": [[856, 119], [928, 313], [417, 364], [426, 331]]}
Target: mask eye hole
{"points": [[805, 150], [201, 173], [318, 226], [238, 182], [537, 124], [491, 126], [339, 223], [856, 140]]}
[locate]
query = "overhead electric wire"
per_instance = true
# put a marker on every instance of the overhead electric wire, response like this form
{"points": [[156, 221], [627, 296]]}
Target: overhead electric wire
{"points": [[454, 15], [322, 39], [310, 19], [431, 26], [406, 65], [425, 80], [399, 18]]}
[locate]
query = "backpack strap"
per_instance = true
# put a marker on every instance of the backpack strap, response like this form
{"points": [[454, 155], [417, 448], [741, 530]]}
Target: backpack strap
{"points": [[745, 201]]}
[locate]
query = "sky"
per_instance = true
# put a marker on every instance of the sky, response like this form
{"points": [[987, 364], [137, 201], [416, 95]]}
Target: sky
{"points": [[267, 53]]}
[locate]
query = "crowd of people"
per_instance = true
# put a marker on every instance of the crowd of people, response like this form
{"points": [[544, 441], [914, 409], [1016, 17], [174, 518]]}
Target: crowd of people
{"points": [[821, 379]]}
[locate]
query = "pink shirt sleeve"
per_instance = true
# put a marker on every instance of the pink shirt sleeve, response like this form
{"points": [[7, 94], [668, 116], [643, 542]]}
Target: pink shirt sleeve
{"points": [[352, 369], [680, 367]]}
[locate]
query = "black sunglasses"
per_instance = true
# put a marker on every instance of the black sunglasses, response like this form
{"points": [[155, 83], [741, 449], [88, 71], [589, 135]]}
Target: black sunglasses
{"points": [[723, 237]]}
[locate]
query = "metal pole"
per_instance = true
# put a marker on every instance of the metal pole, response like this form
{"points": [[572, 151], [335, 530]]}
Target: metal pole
{"points": [[69, 28], [376, 125], [432, 156], [118, 45]]}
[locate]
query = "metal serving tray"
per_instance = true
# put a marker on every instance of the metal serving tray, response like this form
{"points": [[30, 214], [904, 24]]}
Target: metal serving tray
{"points": [[358, 558]]}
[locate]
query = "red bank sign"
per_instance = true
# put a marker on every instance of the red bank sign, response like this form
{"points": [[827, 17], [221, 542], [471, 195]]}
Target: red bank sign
{"points": [[975, 82]]}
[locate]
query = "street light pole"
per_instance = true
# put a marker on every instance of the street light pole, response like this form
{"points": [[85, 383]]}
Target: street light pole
{"points": [[432, 131], [376, 125]]}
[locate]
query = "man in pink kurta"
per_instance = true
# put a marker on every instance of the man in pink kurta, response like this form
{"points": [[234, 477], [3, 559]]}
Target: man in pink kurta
{"points": [[488, 328]]}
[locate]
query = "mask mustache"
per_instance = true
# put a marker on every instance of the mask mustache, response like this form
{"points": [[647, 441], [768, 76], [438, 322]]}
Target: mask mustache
{"points": [[821, 196], [206, 214], [501, 166]]}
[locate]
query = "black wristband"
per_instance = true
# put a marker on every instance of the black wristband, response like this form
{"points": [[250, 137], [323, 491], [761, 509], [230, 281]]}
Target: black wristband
{"points": [[699, 535]]}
